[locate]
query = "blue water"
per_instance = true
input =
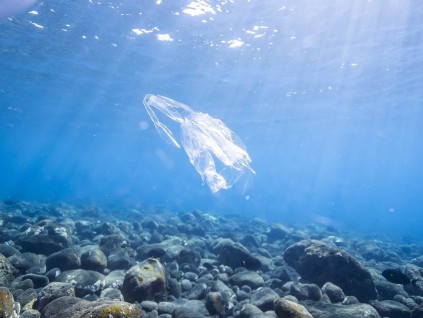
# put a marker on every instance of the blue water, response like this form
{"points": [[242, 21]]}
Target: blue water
{"points": [[326, 95]]}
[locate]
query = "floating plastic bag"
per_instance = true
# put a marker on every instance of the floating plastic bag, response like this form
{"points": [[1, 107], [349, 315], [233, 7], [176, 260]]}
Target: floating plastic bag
{"points": [[204, 139]]}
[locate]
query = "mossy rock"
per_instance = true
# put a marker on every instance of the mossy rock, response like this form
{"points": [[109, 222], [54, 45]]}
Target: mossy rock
{"points": [[6, 303]]}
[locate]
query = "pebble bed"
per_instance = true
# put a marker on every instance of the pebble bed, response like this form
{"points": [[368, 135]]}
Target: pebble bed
{"points": [[59, 260]]}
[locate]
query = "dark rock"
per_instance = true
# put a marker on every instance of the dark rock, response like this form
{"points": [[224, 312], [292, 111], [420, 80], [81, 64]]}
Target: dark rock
{"points": [[199, 291], [320, 263], [282, 274], [145, 281], [264, 298], [278, 232], [417, 312], [323, 310], [248, 278], [219, 303], [118, 260], [288, 309], [189, 256], [24, 261], [46, 239], [305, 291], [220, 286], [409, 302], [174, 288], [53, 273], [85, 281], [391, 308], [7, 271], [114, 243], [234, 254], [66, 259], [94, 259], [183, 312], [27, 296], [335, 293], [387, 290], [37, 280], [51, 292], [7, 250]]}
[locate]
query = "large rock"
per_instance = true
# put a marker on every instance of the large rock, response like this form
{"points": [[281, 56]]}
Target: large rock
{"points": [[234, 254], [72, 307], [145, 281], [320, 263], [322, 310], [85, 282], [285, 308], [46, 239]]}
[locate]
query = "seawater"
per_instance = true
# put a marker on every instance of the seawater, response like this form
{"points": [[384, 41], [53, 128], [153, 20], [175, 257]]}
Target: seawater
{"points": [[326, 96]]}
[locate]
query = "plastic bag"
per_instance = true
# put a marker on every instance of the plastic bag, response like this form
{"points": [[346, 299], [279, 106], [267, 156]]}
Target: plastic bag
{"points": [[215, 151]]}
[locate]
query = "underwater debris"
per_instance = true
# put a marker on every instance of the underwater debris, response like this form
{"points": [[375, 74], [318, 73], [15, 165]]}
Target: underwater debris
{"points": [[204, 139]]}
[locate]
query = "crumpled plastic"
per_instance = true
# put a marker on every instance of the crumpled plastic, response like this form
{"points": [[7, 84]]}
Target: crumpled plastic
{"points": [[215, 151]]}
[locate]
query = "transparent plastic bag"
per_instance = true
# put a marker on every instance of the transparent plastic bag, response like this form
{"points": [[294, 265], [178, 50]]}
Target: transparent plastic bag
{"points": [[215, 151]]}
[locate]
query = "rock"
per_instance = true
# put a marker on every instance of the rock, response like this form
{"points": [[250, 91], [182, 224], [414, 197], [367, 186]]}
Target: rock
{"points": [[278, 232], [145, 281], [191, 309], [249, 310], [86, 282], [234, 254], [166, 307], [264, 298], [417, 312], [305, 291], [51, 292], [25, 261], [288, 309], [149, 305], [387, 290], [335, 293], [322, 310], [219, 303], [409, 302], [319, 263], [113, 243], [183, 312], [30, 313], [248, 278], [199, 291], [7, 271], [94, 259], [118, 260], [8, 250], [66, 259], [189, 256], [72, 307], [6, 303], [46, 239], [391, 308], [114, 279], [26, 297], [37, 280], [111, 293]]}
